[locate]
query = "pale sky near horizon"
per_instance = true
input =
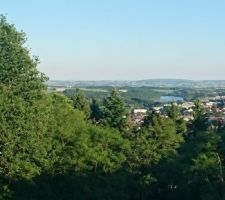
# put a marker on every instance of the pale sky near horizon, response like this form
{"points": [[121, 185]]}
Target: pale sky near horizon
{"points": [[123, 39]]}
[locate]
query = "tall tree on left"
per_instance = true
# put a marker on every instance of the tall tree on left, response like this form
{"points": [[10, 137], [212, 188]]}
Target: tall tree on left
{"points": [[23, 108]]}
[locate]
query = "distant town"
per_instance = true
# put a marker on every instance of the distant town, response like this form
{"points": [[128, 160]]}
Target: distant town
{"points": [[213, 107], [213, 103]]}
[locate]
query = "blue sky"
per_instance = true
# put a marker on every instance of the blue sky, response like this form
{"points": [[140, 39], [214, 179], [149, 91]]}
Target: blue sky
{"points": [[123, 39]]}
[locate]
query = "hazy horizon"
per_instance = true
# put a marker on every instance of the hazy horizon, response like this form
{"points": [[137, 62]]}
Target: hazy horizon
{"points": [[124, 40], [137, 79]]}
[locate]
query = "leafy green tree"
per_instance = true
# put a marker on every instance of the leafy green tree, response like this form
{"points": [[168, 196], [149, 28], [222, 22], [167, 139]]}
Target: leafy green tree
{"points": [[81, 103], [114, 112], [153, 143], [182, 127], [160, 137], [196, 172], [203, 167], [24, 109], [200, 117], [64, 127], [175, 114], [80, 146], [18, 68]]}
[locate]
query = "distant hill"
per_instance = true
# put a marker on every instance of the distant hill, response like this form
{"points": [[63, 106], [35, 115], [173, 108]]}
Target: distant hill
{"points": [[141, 83]]}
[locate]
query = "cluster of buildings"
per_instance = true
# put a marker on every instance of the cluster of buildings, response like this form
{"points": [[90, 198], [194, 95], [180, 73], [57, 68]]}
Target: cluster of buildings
{"points": [[138, 115], [214, 108]]}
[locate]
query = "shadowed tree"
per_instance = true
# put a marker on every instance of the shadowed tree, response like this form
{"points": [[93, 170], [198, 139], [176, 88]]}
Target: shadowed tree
{"points": [[96, 114], [81, 103], [114, 112]]}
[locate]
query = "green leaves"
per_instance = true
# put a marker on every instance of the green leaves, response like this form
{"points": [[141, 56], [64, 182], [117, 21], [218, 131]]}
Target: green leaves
{"points": [[114, 112], [23, 133], [18, 69], [157, 141], [81, 103]]}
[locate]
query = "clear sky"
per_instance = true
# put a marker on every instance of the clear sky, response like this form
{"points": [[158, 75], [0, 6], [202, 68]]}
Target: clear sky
{"points": [[123, 39]]}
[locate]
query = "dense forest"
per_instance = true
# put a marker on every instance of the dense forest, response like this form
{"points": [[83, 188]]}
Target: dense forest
{"points": [[58, 147], [145, 96]]}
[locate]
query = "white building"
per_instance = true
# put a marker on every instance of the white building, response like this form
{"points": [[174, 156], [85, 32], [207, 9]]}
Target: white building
{"points": [[140, 111]]}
